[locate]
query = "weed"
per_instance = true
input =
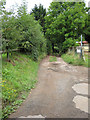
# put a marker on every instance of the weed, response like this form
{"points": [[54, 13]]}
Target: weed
{"points": [[74, 59], [52, 59], [17, 81]]}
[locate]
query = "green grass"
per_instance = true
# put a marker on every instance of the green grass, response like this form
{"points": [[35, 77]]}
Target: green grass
{"points": [[52, 59], [18, 78], [74, 59]]}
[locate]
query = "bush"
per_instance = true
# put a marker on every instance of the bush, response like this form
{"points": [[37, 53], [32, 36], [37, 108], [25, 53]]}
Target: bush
{"points": [[49, 47], [23, 32]]}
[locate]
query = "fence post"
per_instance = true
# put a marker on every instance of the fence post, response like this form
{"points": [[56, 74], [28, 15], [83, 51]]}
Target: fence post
{"points": [[7, 55]]}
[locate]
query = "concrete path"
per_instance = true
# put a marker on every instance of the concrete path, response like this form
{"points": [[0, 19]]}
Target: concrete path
{"points": [[57, 94]]}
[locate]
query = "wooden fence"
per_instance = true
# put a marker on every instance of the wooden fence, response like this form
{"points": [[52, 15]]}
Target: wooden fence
{"points": [[13, 50]]}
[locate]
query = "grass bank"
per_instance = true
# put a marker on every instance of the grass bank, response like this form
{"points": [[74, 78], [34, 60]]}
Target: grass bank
{"points": [[18, 78], [74, 59]]}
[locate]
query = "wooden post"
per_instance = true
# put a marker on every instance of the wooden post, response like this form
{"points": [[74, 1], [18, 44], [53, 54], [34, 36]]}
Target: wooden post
{"points": [[8, 56], [7, 53], [53, 47]]}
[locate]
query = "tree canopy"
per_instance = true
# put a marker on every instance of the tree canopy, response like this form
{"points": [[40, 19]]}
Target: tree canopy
{"points": [[39, 13], [23, 32], [65, 22], [62, 26]]}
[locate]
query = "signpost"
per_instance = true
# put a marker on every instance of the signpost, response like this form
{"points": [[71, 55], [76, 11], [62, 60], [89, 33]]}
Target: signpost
{"points": [[81, 47]]}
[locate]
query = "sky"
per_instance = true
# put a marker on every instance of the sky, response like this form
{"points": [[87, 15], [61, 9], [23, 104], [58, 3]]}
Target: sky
{"points": [[31, 3]]}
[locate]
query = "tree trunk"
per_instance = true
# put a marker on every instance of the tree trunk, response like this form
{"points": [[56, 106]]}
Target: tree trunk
{"points": [[53, 47], [8, 56]]}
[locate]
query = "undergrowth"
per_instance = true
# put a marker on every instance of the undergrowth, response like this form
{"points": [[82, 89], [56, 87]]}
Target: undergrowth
{"points": [[19, 76], [75, 59], [52, 59]]}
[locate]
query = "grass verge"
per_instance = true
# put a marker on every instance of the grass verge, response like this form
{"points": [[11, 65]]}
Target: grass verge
{"points": [[52, 59], [74, 59], [18, 78]]}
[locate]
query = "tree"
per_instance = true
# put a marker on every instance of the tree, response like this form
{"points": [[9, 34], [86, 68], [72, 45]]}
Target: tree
{"points": [[8, 29], [65, 23], [39, 14], [2, 3], [23, 32], [32, 39], [87, 28]]}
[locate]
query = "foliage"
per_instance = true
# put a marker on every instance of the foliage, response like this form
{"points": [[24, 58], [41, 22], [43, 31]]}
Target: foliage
{"points": [[68, 43], [74, 59], [19, 77], [65, 22], [2, 3], [87, 30], [23, 32], [33, 39], [39, 13], [49, 47], [52, 59]]}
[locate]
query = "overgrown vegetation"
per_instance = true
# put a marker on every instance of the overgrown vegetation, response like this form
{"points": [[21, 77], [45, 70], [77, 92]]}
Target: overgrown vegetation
{"points": [[22, 32], [18, 78], [62, 25], [52, 59], [65, 22], [75, 59], [39, 13], [37, 34]]}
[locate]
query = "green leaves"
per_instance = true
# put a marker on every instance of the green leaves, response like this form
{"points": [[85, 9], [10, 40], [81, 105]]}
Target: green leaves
{"points": [[23, 32], [39, 14], [16, 87], [65, 23]]}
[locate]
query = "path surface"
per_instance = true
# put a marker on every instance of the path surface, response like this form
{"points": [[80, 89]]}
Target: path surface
{"points": [[56, 94]]}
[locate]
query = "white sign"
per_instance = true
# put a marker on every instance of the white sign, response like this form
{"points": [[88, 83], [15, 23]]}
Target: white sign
{"points": [[78, 50]]}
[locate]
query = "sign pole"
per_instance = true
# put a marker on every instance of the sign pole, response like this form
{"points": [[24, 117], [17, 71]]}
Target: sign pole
{"points": [[81, 47]]}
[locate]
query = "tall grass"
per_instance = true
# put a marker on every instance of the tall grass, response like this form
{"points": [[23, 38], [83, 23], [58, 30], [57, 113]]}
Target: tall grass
{"points": [[52, 59], [75, 59], [18, 78]]}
